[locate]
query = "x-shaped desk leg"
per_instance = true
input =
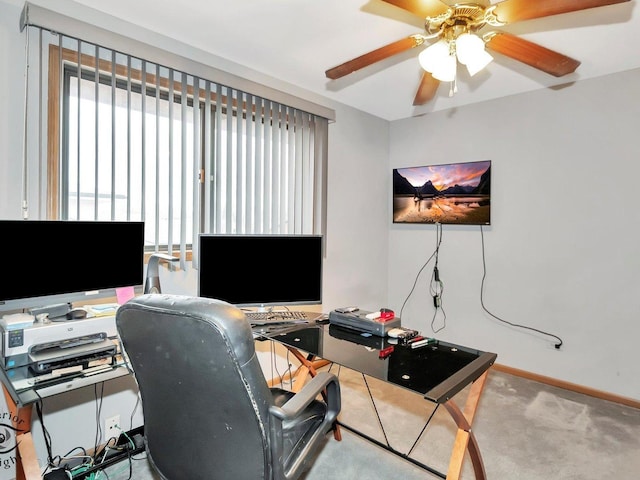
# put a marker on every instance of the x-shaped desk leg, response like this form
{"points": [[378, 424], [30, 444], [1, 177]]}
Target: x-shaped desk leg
{"points": [[465, 439]]}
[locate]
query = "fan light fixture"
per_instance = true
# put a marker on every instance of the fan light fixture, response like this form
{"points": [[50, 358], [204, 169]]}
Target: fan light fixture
{"points": [[440, 59], [455, 27], [457, 42]]}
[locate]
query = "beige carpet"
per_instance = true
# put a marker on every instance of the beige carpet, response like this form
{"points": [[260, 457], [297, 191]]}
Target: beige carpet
{"points": [[526, 431]]}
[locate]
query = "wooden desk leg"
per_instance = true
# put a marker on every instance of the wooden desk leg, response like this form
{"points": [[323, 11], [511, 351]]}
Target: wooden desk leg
{"points": [[307, 368], [300, 378], [465, 439], [27, 467]]}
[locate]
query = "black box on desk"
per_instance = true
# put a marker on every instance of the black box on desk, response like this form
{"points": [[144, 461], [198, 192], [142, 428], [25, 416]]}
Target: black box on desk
{"points": [[358, 336], [358, 321]]}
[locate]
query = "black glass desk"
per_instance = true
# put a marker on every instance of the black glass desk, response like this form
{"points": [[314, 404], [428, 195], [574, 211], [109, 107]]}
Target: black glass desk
{"points": [[437, 371]]}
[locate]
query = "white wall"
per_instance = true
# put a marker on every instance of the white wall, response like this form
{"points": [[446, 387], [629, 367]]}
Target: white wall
{"points": [[562, 248]]}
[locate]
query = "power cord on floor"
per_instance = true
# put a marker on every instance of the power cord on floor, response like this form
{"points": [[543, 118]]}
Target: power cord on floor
{"points": [[84, 466]]}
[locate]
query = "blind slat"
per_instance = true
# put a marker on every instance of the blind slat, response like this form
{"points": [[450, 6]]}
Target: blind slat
{"points": [[197, 152], [208, 173], [250, 164], [217, 163], [96, 138], [183, 172], [241, 161], [171, 163], [229, 197]]}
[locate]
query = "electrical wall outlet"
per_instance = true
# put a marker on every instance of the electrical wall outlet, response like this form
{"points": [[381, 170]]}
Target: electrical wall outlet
{"points": [[112, 427]]}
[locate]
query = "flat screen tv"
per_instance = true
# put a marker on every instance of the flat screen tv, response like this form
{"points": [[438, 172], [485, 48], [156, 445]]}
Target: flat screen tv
{"points": [[68, 261], [453, 193], [261, 270]]}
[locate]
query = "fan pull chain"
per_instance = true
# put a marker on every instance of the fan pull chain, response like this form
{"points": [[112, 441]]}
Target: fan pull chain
{"points": [[453, 86]]}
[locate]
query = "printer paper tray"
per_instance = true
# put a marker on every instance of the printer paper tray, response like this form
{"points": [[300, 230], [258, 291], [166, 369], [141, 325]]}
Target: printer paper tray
{"points": [[82, 355]]}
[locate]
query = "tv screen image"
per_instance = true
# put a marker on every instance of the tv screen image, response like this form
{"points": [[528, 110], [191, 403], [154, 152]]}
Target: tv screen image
{"points": [[454, 193], [261, 270]]}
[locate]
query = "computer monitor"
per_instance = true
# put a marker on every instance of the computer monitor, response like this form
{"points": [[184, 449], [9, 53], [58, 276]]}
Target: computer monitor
{"points": [[67, 261], [261, 270]]}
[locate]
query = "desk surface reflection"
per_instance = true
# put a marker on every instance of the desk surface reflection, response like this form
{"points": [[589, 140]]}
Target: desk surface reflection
{"points": [[437, 371]]}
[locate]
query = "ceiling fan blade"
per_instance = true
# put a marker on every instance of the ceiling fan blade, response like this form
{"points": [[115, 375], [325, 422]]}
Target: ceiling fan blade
{"points": [[374, 56], [532, 54], [421, 8], [512, 11], [426, 89]]}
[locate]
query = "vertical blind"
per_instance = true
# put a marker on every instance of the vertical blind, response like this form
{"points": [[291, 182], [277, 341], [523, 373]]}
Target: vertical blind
{"points": [[128, 138]]}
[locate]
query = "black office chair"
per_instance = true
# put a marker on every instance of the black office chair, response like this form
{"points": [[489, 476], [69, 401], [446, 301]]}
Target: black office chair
{"points": [[208, 411]]}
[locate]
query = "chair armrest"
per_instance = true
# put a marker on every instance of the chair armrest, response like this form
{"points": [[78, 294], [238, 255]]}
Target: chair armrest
{"points": [[324, 383], [308, 393]]}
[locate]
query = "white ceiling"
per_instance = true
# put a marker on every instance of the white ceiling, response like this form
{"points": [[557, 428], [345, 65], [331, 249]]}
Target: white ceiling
{"points": [[297, 40]]}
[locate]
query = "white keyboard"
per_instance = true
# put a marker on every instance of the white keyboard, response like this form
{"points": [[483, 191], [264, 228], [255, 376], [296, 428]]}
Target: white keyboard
{"points": [[276, 316]]}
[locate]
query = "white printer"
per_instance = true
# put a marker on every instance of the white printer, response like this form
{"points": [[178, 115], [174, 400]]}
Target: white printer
{"points": [[50, 346]]}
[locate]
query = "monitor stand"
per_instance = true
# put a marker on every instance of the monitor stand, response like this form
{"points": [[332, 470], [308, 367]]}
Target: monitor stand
{"points": [[152, 282]]}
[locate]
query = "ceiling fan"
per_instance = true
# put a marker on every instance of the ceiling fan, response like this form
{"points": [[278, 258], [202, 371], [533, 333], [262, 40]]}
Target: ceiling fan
{"points": [[453, 28]]}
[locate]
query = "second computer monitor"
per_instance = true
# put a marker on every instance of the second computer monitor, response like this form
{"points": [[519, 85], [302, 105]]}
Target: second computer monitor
{"points": [[261, 270]]}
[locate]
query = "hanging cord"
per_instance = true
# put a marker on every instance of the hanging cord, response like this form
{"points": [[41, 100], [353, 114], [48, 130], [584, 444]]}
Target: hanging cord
{"points": [[45, 432], [484, 274], [274, 366], [98, 397], [54, 462], [436, 287], [415, 282], [135, 409]]}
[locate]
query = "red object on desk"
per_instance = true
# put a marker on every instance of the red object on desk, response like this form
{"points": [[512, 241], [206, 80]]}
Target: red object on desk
{"points": [[385, 352], [386, 314]]}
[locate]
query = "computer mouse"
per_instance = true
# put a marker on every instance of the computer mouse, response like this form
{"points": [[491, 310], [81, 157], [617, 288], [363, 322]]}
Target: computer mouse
{"points": [[77, 314]]}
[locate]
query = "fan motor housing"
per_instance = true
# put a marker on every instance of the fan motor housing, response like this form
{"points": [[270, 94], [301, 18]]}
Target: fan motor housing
{"points": [[463, 17]]}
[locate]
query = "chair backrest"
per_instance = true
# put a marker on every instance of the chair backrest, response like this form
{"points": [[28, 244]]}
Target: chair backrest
{"points": [[204, 396]]}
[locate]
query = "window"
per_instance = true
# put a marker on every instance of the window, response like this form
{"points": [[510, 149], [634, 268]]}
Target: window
{"points": [[130, 139]]}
